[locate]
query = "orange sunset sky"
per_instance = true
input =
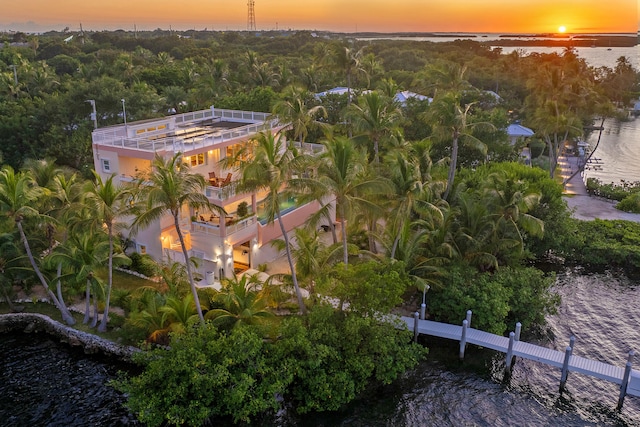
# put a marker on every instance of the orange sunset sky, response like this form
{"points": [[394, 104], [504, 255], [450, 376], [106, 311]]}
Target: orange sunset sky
{"points": [[516, 16]]}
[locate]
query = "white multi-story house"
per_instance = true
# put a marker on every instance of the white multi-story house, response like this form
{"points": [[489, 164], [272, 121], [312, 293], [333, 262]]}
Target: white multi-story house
{"points": [[224, 245]]}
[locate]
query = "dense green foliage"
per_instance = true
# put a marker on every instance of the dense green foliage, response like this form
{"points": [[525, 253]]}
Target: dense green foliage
{"points": [[497, 300], [626, 193], [605, 243], [317, 363], [366, 288]]}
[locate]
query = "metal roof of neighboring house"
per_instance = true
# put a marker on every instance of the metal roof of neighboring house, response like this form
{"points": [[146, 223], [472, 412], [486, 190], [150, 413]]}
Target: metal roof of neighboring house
{"points": [[403, 96], [516, 129], [335, 91]]}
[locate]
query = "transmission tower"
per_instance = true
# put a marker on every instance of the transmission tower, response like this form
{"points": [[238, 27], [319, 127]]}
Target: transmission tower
{"points": [[251, 18]]}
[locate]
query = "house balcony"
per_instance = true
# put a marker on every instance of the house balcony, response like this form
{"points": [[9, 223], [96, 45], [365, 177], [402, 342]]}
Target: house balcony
{"points": [[309, 148], [212, 227], [222, 192]]}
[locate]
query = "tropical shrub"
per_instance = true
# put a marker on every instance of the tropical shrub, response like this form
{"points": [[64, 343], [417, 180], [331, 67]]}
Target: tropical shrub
{"points": [[143, 264], [318, 363], [630, 203], [206, 374], [366, 288], [468, 290], [338, 354], [607, 243], [497, 300], [612, 191]]}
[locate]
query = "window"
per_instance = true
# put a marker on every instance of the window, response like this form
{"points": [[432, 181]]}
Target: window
{"points": [[240, 152], [196, 160], [106, 165], [143, 249]]}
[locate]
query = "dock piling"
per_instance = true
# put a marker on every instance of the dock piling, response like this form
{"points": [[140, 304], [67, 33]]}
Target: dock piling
{"points": [[625, 380], [468, 318], [518, 330], [509, 359], [463, 338], [415, 326], [423, 311], [565, 368]]}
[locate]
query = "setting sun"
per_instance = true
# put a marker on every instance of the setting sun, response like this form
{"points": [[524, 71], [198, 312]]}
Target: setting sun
{"points": [[562, 29]]}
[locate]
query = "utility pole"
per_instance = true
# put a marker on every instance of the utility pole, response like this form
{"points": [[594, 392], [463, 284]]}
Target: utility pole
{"points": [[15, 74], [94, 115], [251, 18]]}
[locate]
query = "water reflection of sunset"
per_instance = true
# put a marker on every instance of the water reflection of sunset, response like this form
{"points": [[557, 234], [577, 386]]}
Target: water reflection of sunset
{"points": [[527, 16]]}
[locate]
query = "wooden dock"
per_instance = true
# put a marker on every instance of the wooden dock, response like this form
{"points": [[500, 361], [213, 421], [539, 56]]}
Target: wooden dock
{"points": [[626, 377]]}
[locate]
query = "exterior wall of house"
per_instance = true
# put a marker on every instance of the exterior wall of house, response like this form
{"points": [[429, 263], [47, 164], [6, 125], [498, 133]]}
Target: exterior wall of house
{"points": [[220, 243]]}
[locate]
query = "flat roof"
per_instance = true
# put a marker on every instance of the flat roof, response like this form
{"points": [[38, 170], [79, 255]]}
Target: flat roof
{"points": [[184, 132]]}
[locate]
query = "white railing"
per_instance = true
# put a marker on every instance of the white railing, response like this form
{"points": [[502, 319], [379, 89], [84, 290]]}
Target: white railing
{"points": [[205, 228], [221, 193], [309, 147], [117, 135], [211, 229], [241, 225]]}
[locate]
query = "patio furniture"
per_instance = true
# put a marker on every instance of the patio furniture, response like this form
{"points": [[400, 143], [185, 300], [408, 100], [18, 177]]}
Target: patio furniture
{"points": [[212, 179]]}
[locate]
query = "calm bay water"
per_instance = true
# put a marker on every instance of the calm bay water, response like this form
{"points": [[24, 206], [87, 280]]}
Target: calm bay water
{"points": [[618, 152], [44, 383]]}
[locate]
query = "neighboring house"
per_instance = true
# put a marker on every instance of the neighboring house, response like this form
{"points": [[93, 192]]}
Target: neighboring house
{"points": [[223, 245], [340, 91], [405, 95], [517, 133], [400, 97]]}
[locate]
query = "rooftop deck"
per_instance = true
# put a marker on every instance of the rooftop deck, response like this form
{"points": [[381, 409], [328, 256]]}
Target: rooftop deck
{"points": [[185, 132]]}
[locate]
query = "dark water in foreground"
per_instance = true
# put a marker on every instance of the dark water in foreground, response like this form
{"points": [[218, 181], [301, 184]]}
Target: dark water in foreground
{"points": [[42, 383]]}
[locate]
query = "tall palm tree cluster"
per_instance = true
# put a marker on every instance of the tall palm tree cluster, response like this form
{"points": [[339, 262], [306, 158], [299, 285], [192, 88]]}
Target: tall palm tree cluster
{"points": [[67, 228]]}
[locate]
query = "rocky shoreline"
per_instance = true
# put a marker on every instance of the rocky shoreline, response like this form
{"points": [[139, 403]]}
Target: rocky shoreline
{"points": [[91, 344]]}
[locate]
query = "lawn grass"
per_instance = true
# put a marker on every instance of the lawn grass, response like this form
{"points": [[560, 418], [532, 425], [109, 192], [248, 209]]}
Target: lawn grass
{"points": [[127, 282]]}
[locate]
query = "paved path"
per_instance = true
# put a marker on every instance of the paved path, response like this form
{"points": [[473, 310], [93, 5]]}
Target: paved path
{"points": [[586, 207]]}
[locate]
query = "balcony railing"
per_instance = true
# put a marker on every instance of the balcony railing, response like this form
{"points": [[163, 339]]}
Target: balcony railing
{"points": [[213, 229], [309, 148], [222, 193], [117, 135]]}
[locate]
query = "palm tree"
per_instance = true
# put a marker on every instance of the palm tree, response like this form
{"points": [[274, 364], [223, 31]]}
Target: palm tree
{"points": [[181, 312], [555, 123], [451, 121], [64, 204], [293, 109], [83, 253], [343, 174], [242, 302], [269, 170], [11, 266], [447, 76], [412, 195], [511, 201], [345, 59], [375, 117], [108, 201], [18, 195], [166, 189]]}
